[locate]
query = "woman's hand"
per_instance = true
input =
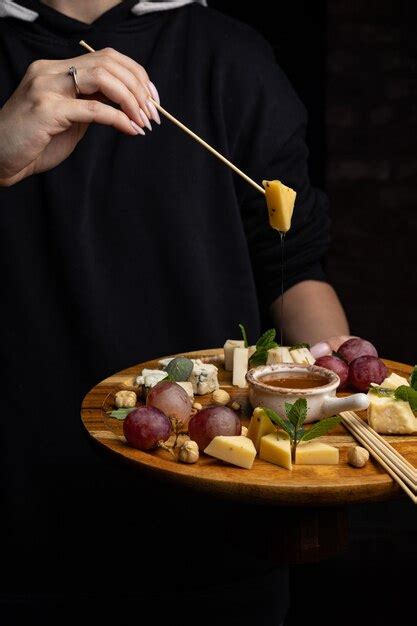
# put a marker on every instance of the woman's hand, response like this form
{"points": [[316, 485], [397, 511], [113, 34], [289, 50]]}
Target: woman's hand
{"points": [[43, 121]]}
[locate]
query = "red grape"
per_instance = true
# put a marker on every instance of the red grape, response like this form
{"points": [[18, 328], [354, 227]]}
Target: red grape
{"points": [[354, 348], [171, 399], [145, 427], [211, 422], [337, 366], [366, 370]]}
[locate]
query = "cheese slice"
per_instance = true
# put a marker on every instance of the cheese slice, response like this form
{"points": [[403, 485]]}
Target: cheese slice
{"points": [[229, 348], [259, 426], [316, 453], [280, 201], [393, 381], [276, 448], [390, 416], [279, 355], [302, 356], [237, 450], [240, 366]]}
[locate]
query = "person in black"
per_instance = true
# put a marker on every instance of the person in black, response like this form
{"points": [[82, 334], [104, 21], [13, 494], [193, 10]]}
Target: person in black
{"points": [[119, 244]]}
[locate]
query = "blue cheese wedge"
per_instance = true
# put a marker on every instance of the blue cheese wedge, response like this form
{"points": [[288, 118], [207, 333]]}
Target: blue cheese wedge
{"points": [[204, 378], [149, 378]]}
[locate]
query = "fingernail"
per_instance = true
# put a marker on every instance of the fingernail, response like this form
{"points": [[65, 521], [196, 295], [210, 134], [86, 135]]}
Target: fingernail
{"points": [[154, 92], [153, 111], [145, 119], [137, 128], [320, 349]]}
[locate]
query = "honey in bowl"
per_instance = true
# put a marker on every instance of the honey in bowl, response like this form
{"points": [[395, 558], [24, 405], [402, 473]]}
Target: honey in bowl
{"points": [[294, 380]]}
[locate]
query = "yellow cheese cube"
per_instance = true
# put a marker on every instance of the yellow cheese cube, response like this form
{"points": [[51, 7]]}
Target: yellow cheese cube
{"points": [[393, 381], [390, 416], [280, 201], [276, 448], [278, 355], [259, 426], [316, 453], [237, 450]]}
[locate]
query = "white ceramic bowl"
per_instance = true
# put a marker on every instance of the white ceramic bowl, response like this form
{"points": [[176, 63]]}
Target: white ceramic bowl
{"points": [[321, 401]]}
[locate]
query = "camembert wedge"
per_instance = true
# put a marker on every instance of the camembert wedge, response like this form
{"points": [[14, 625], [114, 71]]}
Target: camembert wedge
{"points": [[260, 425], [276, 448], [280, 201], [237, 450]]}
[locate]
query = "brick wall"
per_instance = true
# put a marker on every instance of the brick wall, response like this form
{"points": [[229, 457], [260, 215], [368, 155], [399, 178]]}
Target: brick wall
{"points": [[371, 171]]}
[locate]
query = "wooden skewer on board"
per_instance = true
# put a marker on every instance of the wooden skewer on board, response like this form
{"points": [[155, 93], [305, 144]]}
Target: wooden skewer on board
{"points": [[195, 136], [382, 454]]}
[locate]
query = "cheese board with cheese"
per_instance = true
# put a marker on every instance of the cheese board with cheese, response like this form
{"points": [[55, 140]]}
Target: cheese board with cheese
{"points": [[218, 441]]}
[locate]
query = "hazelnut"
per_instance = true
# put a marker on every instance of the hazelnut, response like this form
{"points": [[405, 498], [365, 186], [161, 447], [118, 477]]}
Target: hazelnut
{"points": [[221, 397], [235, 406], [197, 406], [358, 456], [244, 431], [125, 399], [189, 452]]}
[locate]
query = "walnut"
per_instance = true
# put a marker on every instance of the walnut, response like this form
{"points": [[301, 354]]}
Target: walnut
{"points": [[125, 399]]}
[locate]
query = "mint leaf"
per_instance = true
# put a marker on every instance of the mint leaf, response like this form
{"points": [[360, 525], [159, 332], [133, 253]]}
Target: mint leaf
{"points": [[267, 338], [282, 423], [121, 414], [258, 358], [244, 335], [300, 345], [296, 412], [409, 394], [413, 378], [321, 428], [179, 369]]}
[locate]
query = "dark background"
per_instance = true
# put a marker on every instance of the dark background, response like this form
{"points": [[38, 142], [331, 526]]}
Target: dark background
{"points": [[354, 65]]}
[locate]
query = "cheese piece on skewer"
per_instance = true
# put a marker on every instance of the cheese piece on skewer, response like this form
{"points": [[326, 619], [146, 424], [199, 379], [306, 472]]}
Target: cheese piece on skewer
{"points": [[302, 356], [279, 355], [240, 366], [260, 425], [229, 348], [280, 201]]}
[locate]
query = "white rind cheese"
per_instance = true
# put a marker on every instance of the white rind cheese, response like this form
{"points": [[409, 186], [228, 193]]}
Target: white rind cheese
{"points": [[229, 348], [237, 450], [390, 416], [279, 355], [276, 448], [240, 366], [316, 453]]}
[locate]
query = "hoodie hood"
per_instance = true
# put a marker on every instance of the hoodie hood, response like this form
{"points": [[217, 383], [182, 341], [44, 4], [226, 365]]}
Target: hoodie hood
{"points": [[26, 11]]}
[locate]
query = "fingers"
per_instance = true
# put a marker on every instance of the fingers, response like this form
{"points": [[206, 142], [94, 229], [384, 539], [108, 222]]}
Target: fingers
{"points": [[88, 111]]}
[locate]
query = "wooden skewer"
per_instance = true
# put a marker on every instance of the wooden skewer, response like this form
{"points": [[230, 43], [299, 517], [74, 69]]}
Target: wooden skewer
{"points": [[393, 459], [379, 457], [195, 136]]}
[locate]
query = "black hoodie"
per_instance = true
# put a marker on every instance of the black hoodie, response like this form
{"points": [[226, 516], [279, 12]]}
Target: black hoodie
{"points": [[135, 247]]}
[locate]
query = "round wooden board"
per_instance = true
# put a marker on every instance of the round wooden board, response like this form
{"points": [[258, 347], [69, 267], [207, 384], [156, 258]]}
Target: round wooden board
{"points": [[265, 483]]}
